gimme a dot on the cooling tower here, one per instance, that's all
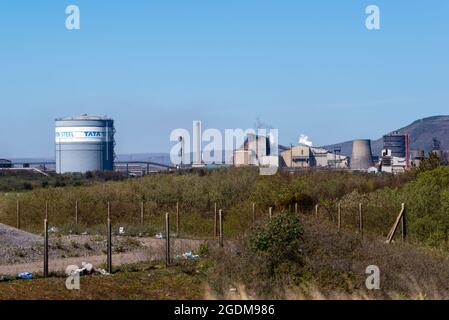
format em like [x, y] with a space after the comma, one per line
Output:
[362, 158]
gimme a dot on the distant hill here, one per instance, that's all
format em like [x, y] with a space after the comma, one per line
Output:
[421, 134]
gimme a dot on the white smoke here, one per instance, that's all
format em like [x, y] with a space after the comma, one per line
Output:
[303, 139]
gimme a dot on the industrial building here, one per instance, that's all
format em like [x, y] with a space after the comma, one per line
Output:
[416, 156]
[302, 156]
[84, 143]
[5, 164]
[395, 154]
[297, 157]
[255, 152]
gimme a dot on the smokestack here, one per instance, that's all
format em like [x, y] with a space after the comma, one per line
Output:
[197, 158]
[362, 157]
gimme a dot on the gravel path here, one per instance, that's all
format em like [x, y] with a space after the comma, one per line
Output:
[23, 252]
[152, 249]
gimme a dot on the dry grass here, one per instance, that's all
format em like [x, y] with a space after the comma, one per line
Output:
[136, 283]
[333, 267]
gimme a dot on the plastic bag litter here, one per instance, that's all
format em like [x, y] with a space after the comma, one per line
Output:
[160, 235]
[88, 267]
[25, 275]
[121, 230]
[70, 270]
[102, 271]
[53, 229]
[188, 255]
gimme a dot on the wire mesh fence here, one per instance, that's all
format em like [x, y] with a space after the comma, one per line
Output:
[138, 229]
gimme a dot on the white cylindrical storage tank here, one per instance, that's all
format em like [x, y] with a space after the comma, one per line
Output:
[362, 157]
[84, 143]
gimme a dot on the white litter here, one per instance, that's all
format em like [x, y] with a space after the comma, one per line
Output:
[53, 229]
[102, 271]
[187, 256]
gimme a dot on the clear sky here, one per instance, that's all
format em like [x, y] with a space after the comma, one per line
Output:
[304, 67]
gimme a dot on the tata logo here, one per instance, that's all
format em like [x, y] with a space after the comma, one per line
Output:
[92, 134]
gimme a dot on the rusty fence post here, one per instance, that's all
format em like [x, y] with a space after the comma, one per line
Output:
[167, 239]
[109, 258]
[220, 217]
[18, 214]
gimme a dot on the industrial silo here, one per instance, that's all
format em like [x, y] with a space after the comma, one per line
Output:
[362, 157]
[84, 143]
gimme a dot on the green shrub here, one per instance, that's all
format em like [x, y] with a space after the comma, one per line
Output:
[277, 237]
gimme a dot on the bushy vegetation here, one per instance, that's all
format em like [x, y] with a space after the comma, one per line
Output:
[315, 260]
[426, 195]
[427, 207]
[277, 240]
[18, 181]
[271, 255]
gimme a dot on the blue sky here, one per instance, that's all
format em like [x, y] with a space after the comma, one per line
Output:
[304, 67]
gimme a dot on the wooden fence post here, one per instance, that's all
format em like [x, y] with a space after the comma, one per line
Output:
[296, 207]
[270, 212]
[215, 221]
[404, 224]
[142, 213]
[167, 239]
[109, 258]
[339, 216]
[361, 219]
[254, 213]
[220, 217]
[76, 213]
[392, 232]
[18, 214]
[316, 210]
[177, 218]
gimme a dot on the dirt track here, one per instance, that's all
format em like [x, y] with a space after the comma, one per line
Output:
[150, 249]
